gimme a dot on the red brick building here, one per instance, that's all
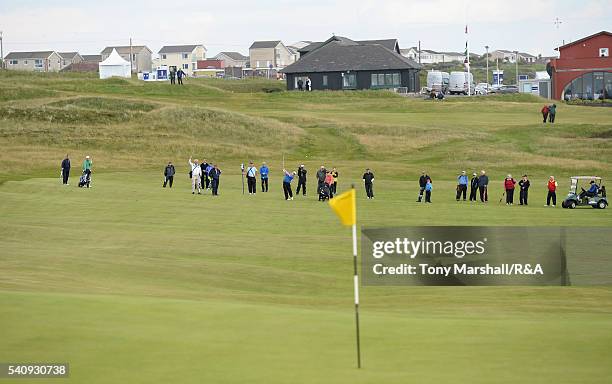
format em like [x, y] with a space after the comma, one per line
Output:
[583, 69]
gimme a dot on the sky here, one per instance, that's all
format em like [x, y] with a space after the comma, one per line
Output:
[89, 26]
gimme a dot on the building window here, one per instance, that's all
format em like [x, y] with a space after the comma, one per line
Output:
[349, 80]
[386, 80]
[163, 57]
[13, 62]
[325, 80]
[25, 62]
[185, 66]
[590, 86]
[133, 57]
[185, 55]
[38, 63]
[604, 52]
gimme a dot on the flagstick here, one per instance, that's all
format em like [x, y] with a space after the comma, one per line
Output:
[356, 284]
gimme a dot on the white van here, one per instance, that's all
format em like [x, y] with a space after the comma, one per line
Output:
[458, 82]
[437, 81]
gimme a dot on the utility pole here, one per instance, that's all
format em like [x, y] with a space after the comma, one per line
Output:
[487, 48]
[131, 61]
[516, 53]
[1, 52]
[419, 51]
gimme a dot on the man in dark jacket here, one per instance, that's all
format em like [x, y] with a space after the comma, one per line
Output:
[205, 179]
[169, 174]
[65, 170]
[215, 174]
[422, 183]
[368, 180]
[321, 174]
[483, 185]
[301, 174]
[179, 76]
[473, 186]
[552, 112]
[524, 191]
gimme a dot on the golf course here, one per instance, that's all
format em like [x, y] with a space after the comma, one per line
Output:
[129, 282]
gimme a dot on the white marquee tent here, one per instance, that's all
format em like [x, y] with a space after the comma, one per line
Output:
[115, 65]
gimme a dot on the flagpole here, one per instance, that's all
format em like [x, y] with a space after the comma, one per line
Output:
[356, 284]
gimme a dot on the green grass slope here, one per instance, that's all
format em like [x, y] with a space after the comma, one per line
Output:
[129, 282]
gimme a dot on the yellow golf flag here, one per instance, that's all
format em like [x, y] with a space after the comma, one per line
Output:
[345, 207]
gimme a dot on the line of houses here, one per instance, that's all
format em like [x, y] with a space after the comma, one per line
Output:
[266, 58]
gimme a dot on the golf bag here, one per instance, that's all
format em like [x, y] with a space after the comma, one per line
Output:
[324, 192]
[85, 179]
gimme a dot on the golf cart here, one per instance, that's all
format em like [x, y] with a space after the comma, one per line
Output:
[577, 199]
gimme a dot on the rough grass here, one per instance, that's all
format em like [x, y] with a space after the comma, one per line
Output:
[147, 123]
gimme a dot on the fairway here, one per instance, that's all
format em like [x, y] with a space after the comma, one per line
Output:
[130, 282]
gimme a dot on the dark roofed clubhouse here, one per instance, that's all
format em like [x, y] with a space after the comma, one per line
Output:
[340, 63]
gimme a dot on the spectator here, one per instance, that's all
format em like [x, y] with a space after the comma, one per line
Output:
[428, 188]
[509, 184]
[251, 175]
[473, 186]
[368, 179]
[544, 113]
[552, 112]
[334, 186]
[524, 191]
[422, 183]
[215, 174]
[169, 172]
[65, 170]
[552, 192]
[263, 174]
[321, 174]
[196, 176]
[483, 186]
[301, 174]
[462, 183]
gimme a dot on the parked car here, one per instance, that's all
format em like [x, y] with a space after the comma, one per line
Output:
[458, 82]
[506, 89]
[482, 89]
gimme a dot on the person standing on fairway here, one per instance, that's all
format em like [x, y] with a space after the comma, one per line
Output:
[65, 170]
[179, 76]
[544, 113]
[552, 112]
[368, 180]
[301, 174]
[263, 173]
[321, 174]
[329, 182]
[169, 174]
[552, 192]
[428, 188]
[251, 175]
[215, 174]
[483, 185]
[509, 184]
[196, 176]
[462, 183]
[287, 179]
[422, 183]
[205, 181]
[524, 191]
[87, 169]
[334, 173]
[473, 186]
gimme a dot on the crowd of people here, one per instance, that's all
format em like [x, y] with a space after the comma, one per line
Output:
[206, 176]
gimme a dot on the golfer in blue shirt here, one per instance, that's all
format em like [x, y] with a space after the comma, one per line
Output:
[287, 184]
[263, 173]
